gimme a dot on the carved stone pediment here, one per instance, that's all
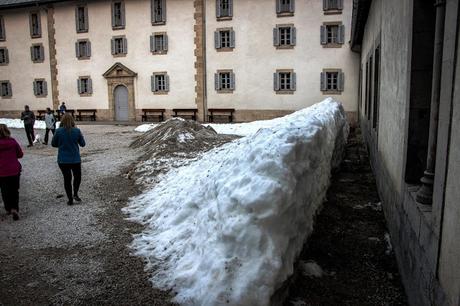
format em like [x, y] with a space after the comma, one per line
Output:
[118, 70]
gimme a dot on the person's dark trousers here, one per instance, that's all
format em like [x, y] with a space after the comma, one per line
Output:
[10, 191]
[30, 133]
[46, 134]
[67, 171]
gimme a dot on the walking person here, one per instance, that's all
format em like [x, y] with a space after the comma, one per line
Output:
[50, 123]
[68, 139]
[28, 117]
[10, 171]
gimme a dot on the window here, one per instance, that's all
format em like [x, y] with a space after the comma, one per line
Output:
[5, 89]
[376, 88]
[284, 36]
[224, 9]
[370, 89]
[83, 49]
[332, 81]
[4, 59]
[37, 53]
[158, 12]
[119, 46]
[118, 15]
[224, 39]
[84, 86]
[159, 43]
[333, 6]
[285, 7]
[332, 34]
[284, 81]
[81, 19]
[35, 25]
[2, 29]
[160, 83]
[40, 88]
[224, 81]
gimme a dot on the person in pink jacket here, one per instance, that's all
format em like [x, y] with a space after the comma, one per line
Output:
[10, 171]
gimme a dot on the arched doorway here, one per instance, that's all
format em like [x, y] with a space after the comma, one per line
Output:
[120, 96]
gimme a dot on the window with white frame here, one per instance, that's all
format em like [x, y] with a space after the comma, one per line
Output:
[224, 39]
[81, 18]
[118, 15]
[159, 43]
[284, 81]
[160, 83]
[332, 34]
[224, 81]
[83, 49]
[285, 7]
[5, 89]
[4, 59]
[40, 88]
[284, 36]
[119, 46]
[224, 9]
[158, 8]
[332, 6]
[332, 81]
[84, 86]
[2, 29]
[37, 53]
[35, 25]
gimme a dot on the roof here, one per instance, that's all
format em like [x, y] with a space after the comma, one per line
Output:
[358, 22]
[24, 3]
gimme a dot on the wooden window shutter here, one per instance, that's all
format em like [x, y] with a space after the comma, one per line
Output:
[152, 43]
[45, 88]
[86, 24]
[230, 8]
[77, 50]
[276, 41]
[325, 5]
[278, 6]
[216, 81]
[112, 43]
[123, 15]
[166, 82]
[276, 81]
[32, 54]
[323, 81]
[125, 45]
[88, 48]
[42, 53]
[293, 36]
[10, 91]
[163, 10]
[292, 6]
[152, 82]
[323, 35]
[2, 29]
[90, 86]
[218, 8]
[341, 34]
[113, 15]
[77, 21]
[293, 81]
[232, 39]
[79, 86]
[340, 4]
[232, 81]
[7, 57]
[340, 81]
[35, 87]
[165, 42]
[217, 39]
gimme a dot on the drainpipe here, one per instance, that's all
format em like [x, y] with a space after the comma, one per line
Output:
[425, 193]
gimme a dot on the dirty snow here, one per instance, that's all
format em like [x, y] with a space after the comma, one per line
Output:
[19, 124]
[228, 227]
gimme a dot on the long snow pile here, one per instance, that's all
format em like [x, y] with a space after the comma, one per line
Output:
[19, 124]
[227, 228]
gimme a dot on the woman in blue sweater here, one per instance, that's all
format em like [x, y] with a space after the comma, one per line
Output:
[68, 138]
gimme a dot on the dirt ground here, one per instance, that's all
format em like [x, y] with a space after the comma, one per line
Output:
[349, 243]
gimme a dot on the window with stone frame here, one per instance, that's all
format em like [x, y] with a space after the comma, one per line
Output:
[284, 81]
[35, 25]
[284, 36]
[37, 53]
[4, 58]
[81, 19]
[84, 86]
[83, 49]
[160, 83]
[118, 15]
[40, 88]
[224, 81]
[159, 43]
[119, 46]
[332, 6]
[5, 89]
[224, 39]
[285, 7]
[2, 29]
[158, 12]
[332, 34]
[224, 9]
[332, 81]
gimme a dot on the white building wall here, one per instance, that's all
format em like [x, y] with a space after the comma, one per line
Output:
[255, 59]
[21, 71]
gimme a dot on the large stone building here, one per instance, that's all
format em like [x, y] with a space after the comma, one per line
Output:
[264, 58]
[409, 112]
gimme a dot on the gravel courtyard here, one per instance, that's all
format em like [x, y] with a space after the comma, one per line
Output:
[60, 254]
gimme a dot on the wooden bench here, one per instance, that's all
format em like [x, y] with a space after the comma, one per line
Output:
[86, 113]
[186, 113]
[153, 113]
[69, 111]
[41, 114]
[224, 113]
